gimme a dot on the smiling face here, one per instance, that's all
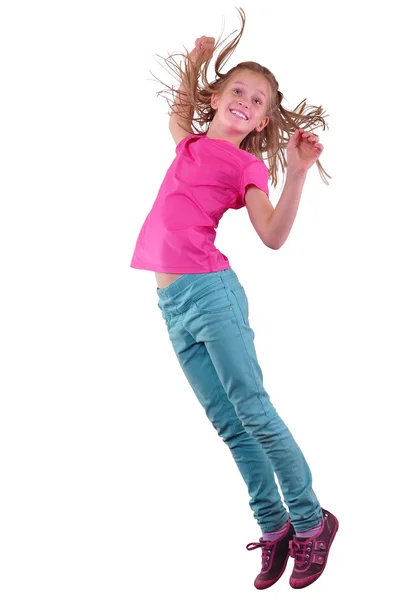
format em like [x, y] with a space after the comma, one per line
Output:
[242, 105]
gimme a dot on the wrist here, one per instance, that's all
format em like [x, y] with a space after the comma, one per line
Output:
[296, 176]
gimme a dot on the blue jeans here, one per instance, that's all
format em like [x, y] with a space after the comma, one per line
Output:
[206, 315]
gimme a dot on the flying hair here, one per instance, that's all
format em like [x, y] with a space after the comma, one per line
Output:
[194, 103]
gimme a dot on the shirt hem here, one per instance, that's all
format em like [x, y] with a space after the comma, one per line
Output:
[176, 270]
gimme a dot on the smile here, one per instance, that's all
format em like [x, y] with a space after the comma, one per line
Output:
[239, 114]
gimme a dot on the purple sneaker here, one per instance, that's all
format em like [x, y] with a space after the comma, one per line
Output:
[274, 558]
[311, 553]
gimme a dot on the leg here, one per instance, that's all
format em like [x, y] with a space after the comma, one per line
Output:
[219, 319]
[250, 458]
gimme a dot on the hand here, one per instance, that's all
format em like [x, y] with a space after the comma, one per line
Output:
[303, 150]
[203, 50]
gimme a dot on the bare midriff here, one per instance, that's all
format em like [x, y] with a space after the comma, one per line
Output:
[164, 279]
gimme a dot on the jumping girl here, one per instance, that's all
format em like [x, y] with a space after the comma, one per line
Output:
[219, 165]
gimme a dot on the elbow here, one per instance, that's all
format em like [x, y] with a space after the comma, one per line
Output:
[275, 239]
[275, 246]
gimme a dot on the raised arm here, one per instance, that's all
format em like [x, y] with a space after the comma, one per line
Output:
[182, 114]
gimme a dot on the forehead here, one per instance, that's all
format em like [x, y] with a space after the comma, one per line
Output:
[255, 82]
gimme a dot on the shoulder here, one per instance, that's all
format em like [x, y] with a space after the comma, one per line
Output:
[255, 165]
[185, 139]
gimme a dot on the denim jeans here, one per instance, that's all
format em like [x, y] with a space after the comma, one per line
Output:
[206, 315]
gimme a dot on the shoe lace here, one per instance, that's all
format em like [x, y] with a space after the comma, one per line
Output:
[267, 548]
[301, 551]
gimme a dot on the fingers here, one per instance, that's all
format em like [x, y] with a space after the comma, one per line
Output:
[203, 49]
[312, 138]
[204, 42]
[308, 136]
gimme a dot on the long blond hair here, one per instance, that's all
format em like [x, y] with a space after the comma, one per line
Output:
[268, 144]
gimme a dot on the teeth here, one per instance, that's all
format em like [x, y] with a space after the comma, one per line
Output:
[234, 112]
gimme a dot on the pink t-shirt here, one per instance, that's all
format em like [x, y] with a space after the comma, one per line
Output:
[206, 178]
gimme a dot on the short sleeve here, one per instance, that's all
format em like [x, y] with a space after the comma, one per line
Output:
[256, 173]
[182, 143]
[184, 140]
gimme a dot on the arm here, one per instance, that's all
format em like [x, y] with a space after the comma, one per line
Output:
[181, 117]
[273, 225]
[281, 220]
[182, 114]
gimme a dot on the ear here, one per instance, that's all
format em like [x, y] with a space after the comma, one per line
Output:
[214, 100]
[262, 124]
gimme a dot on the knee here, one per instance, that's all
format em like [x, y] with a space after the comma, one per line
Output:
[231, 432]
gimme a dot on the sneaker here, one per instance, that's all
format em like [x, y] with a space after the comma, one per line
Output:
[311, 553]
[274, 558]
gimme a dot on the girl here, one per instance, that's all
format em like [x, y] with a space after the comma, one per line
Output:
[203, 303]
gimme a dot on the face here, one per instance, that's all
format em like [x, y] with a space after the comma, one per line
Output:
[243, 104]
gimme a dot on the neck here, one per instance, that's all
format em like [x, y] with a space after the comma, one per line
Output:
[215, 132]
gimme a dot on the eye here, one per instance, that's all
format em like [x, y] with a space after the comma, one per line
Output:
[238, 90]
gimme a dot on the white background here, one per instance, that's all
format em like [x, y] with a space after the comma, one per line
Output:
[114, 483]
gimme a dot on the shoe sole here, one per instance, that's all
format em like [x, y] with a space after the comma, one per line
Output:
[298, 584]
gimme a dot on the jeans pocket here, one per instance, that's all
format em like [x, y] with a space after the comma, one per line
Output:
[242, 302]
[213, 300]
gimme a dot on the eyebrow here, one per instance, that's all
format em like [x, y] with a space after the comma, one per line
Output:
[241, 83]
